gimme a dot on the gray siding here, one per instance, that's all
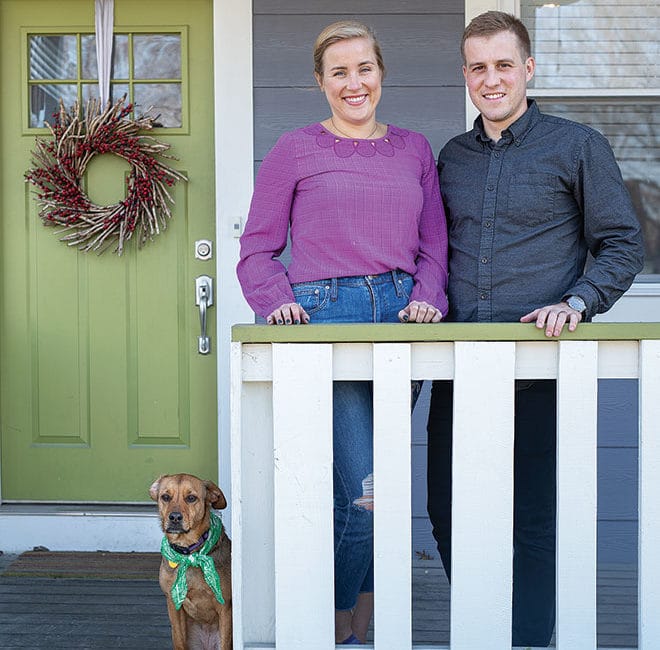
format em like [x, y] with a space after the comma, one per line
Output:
[423, 91]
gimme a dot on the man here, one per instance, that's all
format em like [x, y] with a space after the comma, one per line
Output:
[527, 196]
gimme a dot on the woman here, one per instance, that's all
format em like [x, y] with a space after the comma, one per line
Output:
[368, 244]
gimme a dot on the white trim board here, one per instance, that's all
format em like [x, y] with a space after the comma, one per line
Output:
[234, 169]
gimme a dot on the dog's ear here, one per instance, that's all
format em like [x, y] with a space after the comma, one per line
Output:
[153, 490]
[215, 496]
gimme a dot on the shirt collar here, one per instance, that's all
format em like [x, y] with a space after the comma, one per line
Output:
[516, 131]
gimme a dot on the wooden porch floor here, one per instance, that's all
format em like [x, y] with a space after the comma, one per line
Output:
[93, 614]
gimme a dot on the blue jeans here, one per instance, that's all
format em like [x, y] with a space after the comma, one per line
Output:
[355, 299]
[534, 519]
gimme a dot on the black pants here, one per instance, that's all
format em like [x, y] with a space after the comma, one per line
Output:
[534, 501]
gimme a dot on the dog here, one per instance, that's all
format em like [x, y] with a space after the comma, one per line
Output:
[185, 502]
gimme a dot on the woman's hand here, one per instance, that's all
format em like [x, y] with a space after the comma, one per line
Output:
[289, 314]
[420, 312]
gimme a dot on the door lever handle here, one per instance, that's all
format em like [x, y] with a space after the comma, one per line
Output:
[203, 299]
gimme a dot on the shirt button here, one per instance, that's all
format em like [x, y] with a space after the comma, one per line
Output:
[484, 260]
[483, 296]
[490, 188]
[488, 224]
[497, 155]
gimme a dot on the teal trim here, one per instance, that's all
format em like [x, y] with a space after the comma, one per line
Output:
[395, 332]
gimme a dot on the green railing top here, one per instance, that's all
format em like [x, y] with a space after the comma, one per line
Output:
[414, 332]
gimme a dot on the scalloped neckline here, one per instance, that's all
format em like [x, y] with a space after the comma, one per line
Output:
[393, 139]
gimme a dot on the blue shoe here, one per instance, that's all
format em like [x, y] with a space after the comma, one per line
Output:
[352, 640]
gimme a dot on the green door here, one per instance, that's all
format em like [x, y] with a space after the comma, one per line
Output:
[103, 387]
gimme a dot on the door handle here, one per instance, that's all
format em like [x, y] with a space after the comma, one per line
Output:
[203, 299]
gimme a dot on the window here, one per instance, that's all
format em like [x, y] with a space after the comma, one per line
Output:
[147, 68]
[597, 63]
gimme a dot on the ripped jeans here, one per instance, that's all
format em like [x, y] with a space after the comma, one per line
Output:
[355, 299]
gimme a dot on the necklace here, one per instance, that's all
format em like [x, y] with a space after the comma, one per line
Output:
[350, 137]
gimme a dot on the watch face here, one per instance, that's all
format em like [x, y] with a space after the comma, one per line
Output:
[575, 302]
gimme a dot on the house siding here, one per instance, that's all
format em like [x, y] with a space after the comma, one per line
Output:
[423, 91]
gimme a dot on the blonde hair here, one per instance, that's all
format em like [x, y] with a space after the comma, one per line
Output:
[341, 31]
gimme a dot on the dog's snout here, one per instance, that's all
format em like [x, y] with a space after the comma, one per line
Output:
[175, 517]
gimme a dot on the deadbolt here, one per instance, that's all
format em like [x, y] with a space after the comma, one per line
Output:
[203, 249]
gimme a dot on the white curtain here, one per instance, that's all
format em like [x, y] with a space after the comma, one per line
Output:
[104, 10]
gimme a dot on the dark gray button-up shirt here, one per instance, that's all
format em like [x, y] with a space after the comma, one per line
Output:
[522, 214]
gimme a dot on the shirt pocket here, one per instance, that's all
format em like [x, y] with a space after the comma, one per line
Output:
[531, 198]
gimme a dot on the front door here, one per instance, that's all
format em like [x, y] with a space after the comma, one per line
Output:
[103, 386]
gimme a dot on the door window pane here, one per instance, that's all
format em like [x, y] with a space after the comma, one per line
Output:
[163, 100]
[157, 56]
[117, 91]
[45, 101]
[633, 129]
[53, 57]
[119, 56]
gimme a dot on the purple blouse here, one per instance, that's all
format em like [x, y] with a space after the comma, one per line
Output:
[354, 207]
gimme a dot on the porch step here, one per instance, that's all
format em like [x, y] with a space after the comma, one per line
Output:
[63, 527]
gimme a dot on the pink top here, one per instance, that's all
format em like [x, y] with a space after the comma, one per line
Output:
[354, 207]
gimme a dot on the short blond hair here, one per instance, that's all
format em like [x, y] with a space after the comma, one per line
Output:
[341, 31]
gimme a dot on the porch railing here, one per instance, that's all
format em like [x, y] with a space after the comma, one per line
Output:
[282, 474]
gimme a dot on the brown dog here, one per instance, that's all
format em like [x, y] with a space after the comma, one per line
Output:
[184, 505]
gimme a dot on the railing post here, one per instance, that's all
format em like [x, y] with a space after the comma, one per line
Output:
[236, 401]
[392, 498]
[482, 496]
[252, 503]
[304, 548]
[649, 496]
[577, 418]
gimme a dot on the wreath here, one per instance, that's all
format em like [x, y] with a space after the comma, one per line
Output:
[59, 165]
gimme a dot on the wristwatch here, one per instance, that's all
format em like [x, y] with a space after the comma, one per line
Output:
[575, 302]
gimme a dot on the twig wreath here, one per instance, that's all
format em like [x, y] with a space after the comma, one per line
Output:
[59, 165]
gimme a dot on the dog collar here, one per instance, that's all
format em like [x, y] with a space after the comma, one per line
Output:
[200, 559]
[187, 550]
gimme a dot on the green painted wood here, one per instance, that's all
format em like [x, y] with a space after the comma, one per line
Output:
[102, 388]
[395, 332]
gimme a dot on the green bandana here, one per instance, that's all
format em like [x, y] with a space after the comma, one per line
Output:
[199, 559]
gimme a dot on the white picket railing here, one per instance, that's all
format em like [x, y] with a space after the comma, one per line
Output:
[282, 474]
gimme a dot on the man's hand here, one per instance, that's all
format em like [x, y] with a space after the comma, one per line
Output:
[420, 312]
[289, 314]
[553, 318]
